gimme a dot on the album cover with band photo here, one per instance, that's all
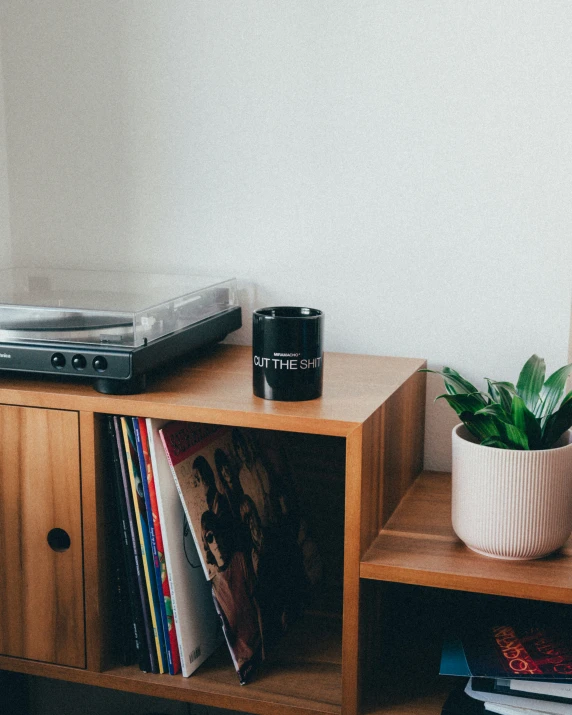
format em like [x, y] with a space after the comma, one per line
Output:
[240, 501]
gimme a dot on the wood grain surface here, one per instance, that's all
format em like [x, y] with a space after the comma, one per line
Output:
[303, 677]
[418, 546]
[41, 590]
[217, 388]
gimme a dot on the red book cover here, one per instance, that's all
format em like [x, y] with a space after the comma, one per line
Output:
[174, 647]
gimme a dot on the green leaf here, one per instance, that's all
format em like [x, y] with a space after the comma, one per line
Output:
[495, 410]
[552, 391]
[515, 437]
[463, 403]
[517, 431]
[502, 392]
[455, 380]
[531, 380]
[455, 384]
[517, 412]
[527, 423]
[482, 426]
[512, 426]
[557, 423]
[503, 383]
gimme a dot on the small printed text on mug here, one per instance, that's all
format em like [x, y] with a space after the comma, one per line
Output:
[279, 363]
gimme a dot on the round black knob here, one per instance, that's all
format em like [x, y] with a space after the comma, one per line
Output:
[59, 540]
[99, 363]
[78, 362]
[58, 361]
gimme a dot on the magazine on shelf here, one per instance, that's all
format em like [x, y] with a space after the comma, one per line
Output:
[241, 505]
[514, 651]
[539, 689]
[514, 665]
[197, 624]
[534, 704]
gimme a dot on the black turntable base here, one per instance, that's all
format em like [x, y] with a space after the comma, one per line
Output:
[111, 369]
[109, 328]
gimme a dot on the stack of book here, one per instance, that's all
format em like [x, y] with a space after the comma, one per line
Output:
[512, 669]
[214, 545]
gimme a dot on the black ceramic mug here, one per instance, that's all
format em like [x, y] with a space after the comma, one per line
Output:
[287, 353]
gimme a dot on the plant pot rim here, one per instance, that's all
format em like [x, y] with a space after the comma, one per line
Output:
[471, 439]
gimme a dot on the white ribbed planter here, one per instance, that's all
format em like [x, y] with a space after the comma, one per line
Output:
[511, 504]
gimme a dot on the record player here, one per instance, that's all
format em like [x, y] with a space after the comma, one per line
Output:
[108, 327]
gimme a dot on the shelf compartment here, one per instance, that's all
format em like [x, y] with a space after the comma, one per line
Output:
[304, 672]
[303, 677]
[418, 546]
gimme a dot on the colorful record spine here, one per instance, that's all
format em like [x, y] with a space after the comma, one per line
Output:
[150, 662]
[143, 532]
[157, 546]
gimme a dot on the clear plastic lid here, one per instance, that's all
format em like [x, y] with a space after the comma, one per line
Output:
[110, 307]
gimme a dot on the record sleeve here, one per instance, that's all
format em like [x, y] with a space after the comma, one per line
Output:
[241, 505]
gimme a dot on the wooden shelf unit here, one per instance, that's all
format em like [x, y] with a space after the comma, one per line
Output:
[393, 565]
[360, 444]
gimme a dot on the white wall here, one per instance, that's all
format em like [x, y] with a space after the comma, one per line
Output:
[405, 166]
[5, 234]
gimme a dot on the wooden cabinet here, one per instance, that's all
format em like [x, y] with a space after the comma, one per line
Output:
[392, 565]
[394, 570]
[41, 572]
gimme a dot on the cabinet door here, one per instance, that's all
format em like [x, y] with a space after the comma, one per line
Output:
[41, 579]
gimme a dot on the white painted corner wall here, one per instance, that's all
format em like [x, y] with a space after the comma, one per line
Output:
[404, 166]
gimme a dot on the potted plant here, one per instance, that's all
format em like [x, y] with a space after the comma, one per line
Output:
[512, 462]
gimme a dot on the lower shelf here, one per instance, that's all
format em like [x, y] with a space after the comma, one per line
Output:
[291, 692]
[303, 677]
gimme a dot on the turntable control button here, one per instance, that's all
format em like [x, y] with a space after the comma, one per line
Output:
[58, 361]
[99, 363]
[78, 362]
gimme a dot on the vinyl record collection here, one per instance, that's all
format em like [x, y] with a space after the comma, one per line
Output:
[213, 545]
